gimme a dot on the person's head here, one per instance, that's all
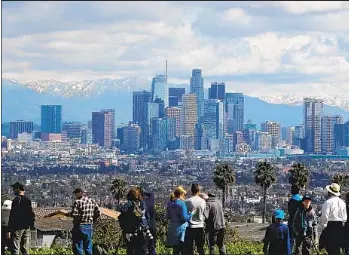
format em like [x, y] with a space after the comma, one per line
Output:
[333, 190]
[306, 201]
[17, 188]
[134, 194]
[295, 189]
[180, 193]
[79, 193]
[195, 189]
[279, 215]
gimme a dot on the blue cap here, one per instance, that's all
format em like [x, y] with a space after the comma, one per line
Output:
[279, 214]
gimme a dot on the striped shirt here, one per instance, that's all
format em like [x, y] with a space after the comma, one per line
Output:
[85, 211]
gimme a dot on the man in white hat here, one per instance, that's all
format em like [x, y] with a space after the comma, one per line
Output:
[334, 215]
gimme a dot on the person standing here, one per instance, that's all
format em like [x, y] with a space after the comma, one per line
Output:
[134, 223]
[304, 227]
[333, 218]
[277, 237]
[346, 228]
[215, 224]
[178, 216]
[149, 201]
[196, 229]
[85, 212]
[21, 220]
[5, 215]
[293, 205]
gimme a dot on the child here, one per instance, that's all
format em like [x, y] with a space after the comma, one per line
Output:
[277, 237]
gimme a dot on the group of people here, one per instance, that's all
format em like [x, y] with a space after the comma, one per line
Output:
[196, 220]
[301, 231]
[191, 221]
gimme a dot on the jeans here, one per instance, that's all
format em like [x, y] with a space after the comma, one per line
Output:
[196, 235]
[303, 245]
[21, 241]
[216, 237]
[82, 239]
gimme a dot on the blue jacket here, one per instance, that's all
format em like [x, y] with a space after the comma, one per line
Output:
[277, 240]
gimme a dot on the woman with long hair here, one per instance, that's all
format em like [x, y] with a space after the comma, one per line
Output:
[178, 216]
[134, 224]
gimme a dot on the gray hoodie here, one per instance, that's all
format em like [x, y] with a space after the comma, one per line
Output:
[196, 205]
[214, 214]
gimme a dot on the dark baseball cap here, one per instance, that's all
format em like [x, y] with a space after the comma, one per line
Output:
[306, 197]
[17, 185]
[78, 190]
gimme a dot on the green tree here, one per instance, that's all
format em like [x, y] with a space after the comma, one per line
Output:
[119, 189]
[299, 175]
[265, 176]
[341, 179]
[223, 176]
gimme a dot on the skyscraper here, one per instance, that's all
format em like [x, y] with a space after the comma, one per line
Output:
[102, 128]
[73, 129]
[20, 126]
[327, 133]
[197, 88]
[131, 138]
[341, 135]
[160, 88]
[298, 136]
[200, 141]
[51, 119]
[264, 142]
[234, 107]
[112, 112]
[159, 134]
[175, 112]
[287, 134]
[312, 124]
[217, 91]
[140, 113]
[153, 110]
[188, 115]
[214, 119]
[274, 129]
[171, 129]
[175, 96]
[250, 132]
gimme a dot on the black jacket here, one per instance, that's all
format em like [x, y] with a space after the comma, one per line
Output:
[21, 215]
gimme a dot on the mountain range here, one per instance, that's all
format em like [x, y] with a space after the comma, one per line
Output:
[80, 98]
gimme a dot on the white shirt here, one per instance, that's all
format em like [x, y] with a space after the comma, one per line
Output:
[333, 209]
[197, 205]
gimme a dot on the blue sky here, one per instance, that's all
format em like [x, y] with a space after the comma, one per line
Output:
[255, 47]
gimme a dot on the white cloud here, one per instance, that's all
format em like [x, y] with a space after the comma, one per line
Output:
[311, 6]
[119, 39]
[237, 15]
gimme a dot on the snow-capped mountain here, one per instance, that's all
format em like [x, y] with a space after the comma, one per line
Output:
[89, 88]
[340, 100]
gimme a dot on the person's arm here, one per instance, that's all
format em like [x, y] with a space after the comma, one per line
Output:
[207, 211]
[266, 241]
[10, 220]
[288, 242]
[31, 213]
[325, 212]
[185, 215]
[315, 227]
[96, 212]
[75, 210]
[168, 216]
[293, 228]
[344, 212]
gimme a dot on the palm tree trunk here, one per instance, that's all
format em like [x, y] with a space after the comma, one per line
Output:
[223, 200]
[264, 203]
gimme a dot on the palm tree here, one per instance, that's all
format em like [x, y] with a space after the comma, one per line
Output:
[299, 175]
[119, 189]
[223, 176]
[341, 179]
[265, 176]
